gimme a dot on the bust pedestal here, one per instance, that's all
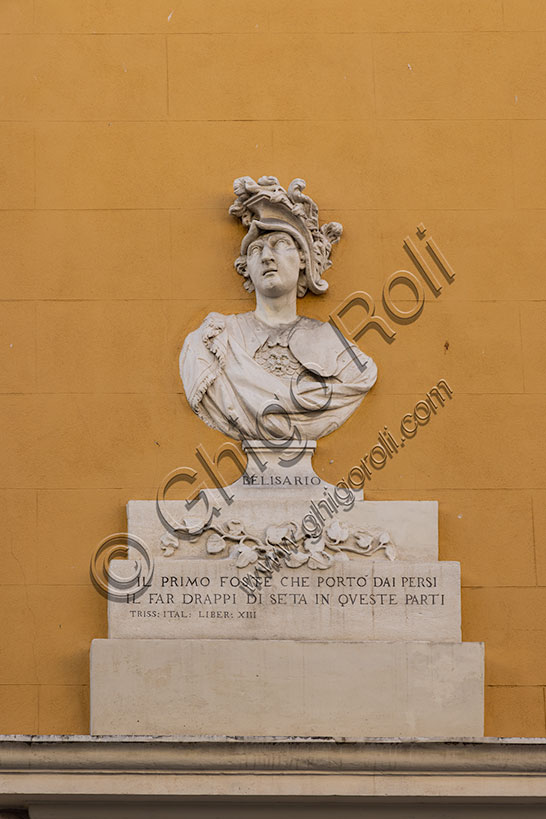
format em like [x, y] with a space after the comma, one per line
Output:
[359, 635]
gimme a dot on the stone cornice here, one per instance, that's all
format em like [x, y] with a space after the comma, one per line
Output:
[68, 768]
[84, 754]
[89, 755]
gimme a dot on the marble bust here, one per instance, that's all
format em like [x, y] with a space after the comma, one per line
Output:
[265, 373]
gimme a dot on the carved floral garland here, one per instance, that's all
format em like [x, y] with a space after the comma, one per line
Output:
[301, 548]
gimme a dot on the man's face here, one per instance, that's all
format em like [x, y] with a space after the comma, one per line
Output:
[273, 264]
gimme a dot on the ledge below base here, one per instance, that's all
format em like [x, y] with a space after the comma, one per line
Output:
[85, 777]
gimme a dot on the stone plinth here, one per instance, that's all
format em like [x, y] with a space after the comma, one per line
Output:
[286, 688]
[255, 624]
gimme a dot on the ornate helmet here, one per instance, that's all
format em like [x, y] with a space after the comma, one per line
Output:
[265, 205]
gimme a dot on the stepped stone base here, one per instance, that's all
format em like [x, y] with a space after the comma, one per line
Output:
[286, 688]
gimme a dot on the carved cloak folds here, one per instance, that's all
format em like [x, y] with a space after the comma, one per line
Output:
[317, 385]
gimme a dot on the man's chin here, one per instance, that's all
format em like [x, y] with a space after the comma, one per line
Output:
[271, 283]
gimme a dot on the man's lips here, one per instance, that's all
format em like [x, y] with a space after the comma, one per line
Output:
[269, 270]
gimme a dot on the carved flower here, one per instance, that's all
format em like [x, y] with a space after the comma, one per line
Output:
[319, 560]
[235, 528]
[296, 559]
[246, 555]
[314, 544]
[337, 532]
[367, 544]
[193, 525]
[276, 534]
[168, 544]
[364, 541]
[384, 542]
[215, 543]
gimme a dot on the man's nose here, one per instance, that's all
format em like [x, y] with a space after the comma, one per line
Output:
[267, 252]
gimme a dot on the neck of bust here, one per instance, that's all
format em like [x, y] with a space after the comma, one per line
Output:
[276, 311]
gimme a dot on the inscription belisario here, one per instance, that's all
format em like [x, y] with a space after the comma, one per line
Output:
[281, 480]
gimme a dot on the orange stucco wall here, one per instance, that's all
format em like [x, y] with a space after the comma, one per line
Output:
[123, 124]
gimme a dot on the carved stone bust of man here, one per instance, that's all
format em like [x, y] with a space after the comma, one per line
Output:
[268, 372]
